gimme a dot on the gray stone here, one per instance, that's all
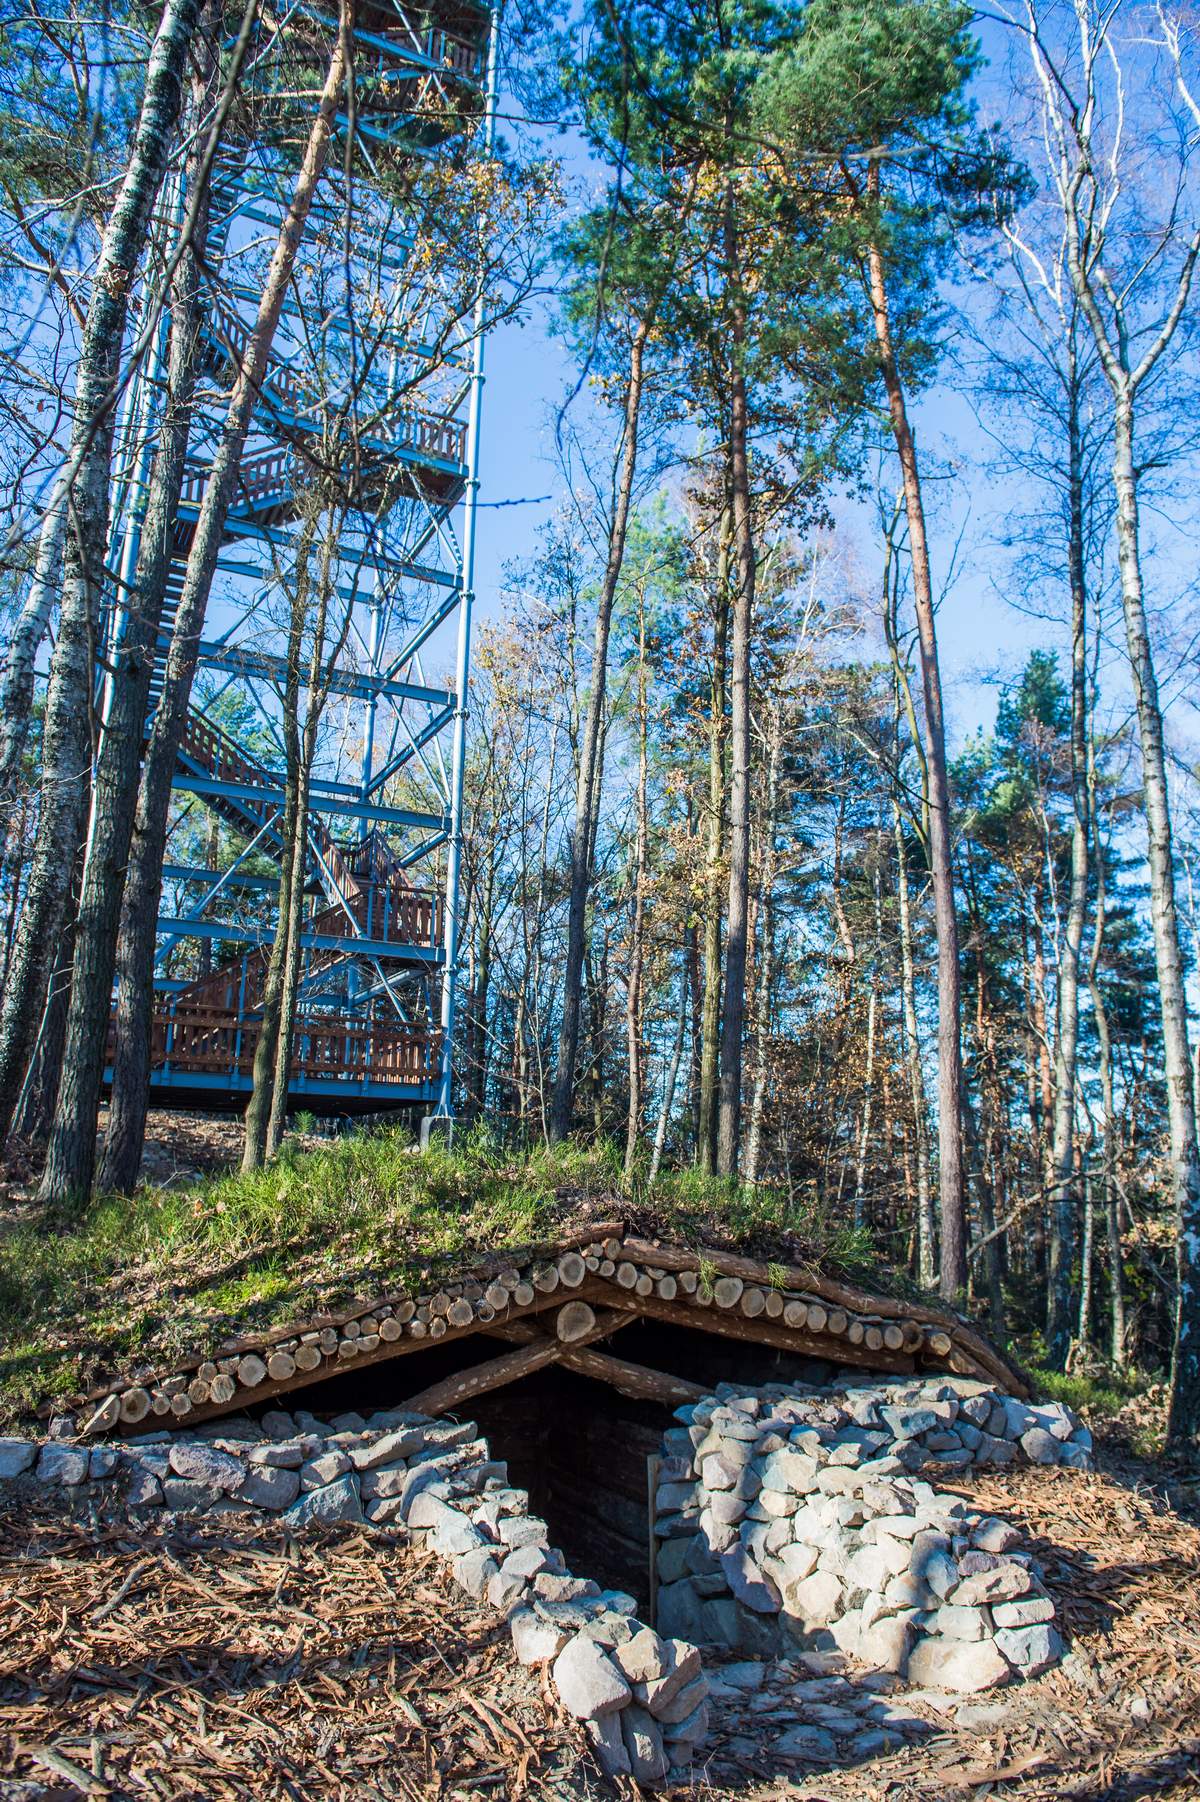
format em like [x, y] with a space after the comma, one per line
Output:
[995, 1535]
[348, 1423]
[553, 1587]
[815, 1600]
[949, 1664]
[143, 1489]
[1057, 1418]
[720, 1472]
[474, 1570]
[390, 1481]
[102, 1462]
[526, 1562]
[588, 1681]
[777, 1504]
[680, 1667]
[288, 1454]
[336, 1502]
[326, 1467]
[183, 1496]
[875, 1741]
[270, 1486]
[644, 1745]
[16, 1455]
[909, 1423]
[451, 1532]
[1030, 1611]
[727, 1507]
[1040, 1446]
[953, 1621]
[1002, 1583]
[787, 1470]
[606, 1736]
[689, 1732]
[644, 1658]
[503, 1591]
[198, 1463]
[382, 1510]
[720, 1623]
[672, 1560]
[527, 1529]
[1031, 1649]
[1018, 1417]
[885, 1643]
[66, 1464]
[676, 1526]
[402, 1444]
[811, 1743]
[536, 1641]
[752, 1587]
[675, 1708]
[873, 1566]
[277, 1424]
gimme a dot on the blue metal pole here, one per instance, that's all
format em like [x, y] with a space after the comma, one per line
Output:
[445, 1107]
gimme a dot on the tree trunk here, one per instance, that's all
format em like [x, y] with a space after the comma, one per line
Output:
[1062, 1156]
[953, 1276]
[28, 634]
[1085, 1264]
[591, 753]
[1183, 1429]
[733, 999]
[672, 1076]
[765, 955]
[34, 1112]
[710, 1044]
[67, 729]
[633, 992]
[926, 1221]
[71, 1155]
[135, 955]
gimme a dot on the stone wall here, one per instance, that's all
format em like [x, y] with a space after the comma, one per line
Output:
[641, 1698]
[790, 1518]
[786, 1517]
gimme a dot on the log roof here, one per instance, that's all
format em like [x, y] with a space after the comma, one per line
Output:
[552, 1304]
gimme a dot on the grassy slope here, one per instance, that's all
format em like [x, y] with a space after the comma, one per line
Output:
[175, 1271]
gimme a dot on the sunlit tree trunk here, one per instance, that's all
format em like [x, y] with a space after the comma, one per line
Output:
[710, 1047]
[67, 745]
[1063, 1200]
[737, 923]
[591, 750]
[953, 1274]
[637, 954]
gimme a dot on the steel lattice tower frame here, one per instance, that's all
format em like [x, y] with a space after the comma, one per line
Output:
[380, 948]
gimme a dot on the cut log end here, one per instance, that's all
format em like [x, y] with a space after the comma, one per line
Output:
[573, 1322]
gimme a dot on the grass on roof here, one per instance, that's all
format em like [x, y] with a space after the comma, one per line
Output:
[143, 1281]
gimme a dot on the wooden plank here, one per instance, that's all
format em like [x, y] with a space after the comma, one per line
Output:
[439, 1398]
[637, 1381]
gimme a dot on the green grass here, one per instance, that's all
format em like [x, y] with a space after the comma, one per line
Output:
[168, 1272]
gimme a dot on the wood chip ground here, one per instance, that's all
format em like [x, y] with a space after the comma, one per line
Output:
[231, 1661]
